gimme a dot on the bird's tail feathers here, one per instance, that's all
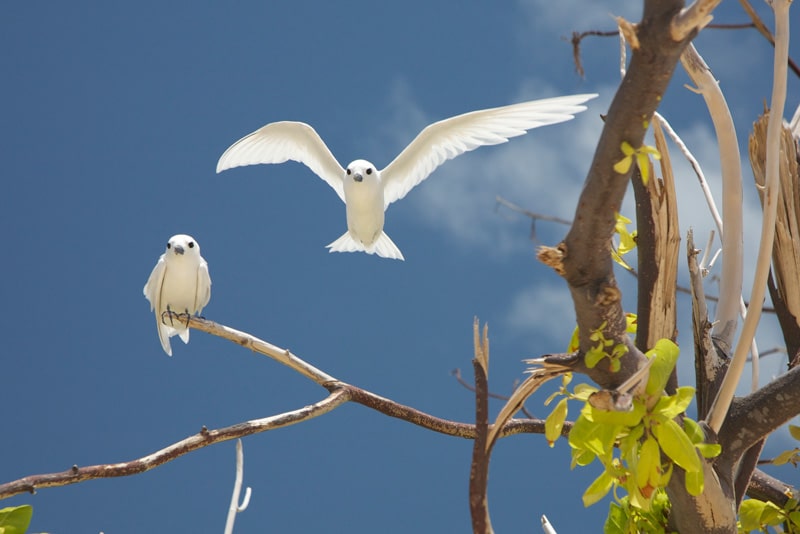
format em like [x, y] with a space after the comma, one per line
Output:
[163, 337]
[383, 246]
[184, 335]
[346, 243]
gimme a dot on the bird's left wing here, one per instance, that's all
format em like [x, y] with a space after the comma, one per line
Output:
[451, 137]
[278, 142]
[203, 290]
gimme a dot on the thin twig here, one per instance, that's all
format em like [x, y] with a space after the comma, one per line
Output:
[759, 25]
[235, 507]
[457, 374]
[550, 218]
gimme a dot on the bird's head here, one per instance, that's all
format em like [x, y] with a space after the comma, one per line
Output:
[182, 244]
[360, 169]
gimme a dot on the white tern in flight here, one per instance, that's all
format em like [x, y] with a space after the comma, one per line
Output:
[365, 190]
[179, 283]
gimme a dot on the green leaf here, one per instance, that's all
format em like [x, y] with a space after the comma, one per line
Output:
[794, 517]
[643, 162]
[617, 520]
[582, 391]
[696, 435]
[555, 422]
[791, 456]
[627, 149]
[574, 341]
[666, 353]
[623, 165]
[589, 436]
[673, 405]
[772, 515]
[581, 457]
[693, 430]
[677, 445]
[709, 450]
[694, 482]
[15, 520]
[594, 355]
[631, 323]
[750, 514]
[598, 489]
[795, 431]
[648, 470]
[629, 419]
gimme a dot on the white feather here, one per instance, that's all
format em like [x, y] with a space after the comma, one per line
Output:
[282, 141]
[451, 137]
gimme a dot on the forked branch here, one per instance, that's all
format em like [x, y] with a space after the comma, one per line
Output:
[339, 393]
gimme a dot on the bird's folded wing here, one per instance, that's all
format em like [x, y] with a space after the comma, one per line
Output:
[203, 290]
[451, 137]
[152, 289]
[282, 141]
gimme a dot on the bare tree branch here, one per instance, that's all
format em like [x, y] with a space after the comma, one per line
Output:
[732, 223]
[784, 289]
[479, 470]
[457, 374]
[204, 438]
[693, 18]
[759, 25]
[584, 254]
[709, 367]
[768, 488]
[339, 393]
[658, 242]
[535, 216]
[772, 191]
[757, 415]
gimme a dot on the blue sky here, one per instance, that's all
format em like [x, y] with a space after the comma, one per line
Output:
[113, 118]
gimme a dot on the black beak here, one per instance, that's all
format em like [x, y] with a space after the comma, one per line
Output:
[357, 177]
[178, 249]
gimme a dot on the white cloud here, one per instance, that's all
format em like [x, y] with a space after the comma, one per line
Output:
[543, 308]
[577, 15]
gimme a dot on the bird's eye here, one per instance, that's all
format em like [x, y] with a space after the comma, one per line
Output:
[348, 172]
[169, 245]
[369, 171]
[191, 244]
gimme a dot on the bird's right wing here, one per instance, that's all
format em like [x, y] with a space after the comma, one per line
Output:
[278, 142]
[452, 137]
[152, 290]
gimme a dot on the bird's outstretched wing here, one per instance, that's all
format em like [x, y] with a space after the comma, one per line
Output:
[451, 137]
[278, 142]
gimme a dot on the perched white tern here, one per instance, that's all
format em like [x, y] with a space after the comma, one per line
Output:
[179, 283]
[365, 190]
